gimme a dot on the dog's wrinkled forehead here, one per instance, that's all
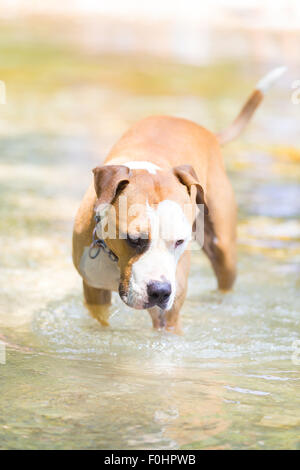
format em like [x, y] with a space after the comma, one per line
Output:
[151, 197]
[155, 187]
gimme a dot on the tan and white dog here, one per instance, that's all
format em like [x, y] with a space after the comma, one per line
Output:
[158, 168]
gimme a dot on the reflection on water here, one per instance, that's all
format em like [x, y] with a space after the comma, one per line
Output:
[229, 382]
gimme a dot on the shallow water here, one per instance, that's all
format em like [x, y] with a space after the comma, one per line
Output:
[231, 381]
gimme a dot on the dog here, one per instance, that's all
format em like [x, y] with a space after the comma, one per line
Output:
[158, 168]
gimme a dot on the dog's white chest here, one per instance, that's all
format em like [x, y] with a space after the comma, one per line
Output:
[101, 272]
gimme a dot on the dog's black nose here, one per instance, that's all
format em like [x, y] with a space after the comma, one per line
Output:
[158, 293]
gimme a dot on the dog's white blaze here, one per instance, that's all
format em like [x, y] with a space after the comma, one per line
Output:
[172, 222]
[268, 80]
[168, 224]
[143, 165]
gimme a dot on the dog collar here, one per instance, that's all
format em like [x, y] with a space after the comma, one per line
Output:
[98, 244]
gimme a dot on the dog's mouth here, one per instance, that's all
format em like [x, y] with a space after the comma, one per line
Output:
[141, 302]
[153, 303]
[132, 301]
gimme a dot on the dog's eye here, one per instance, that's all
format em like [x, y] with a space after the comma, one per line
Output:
[139, 243]
[178, 242]
[134, 241]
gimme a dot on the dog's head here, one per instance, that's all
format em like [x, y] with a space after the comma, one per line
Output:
[146, 221]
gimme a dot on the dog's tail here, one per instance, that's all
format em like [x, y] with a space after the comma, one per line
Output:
[238, 125]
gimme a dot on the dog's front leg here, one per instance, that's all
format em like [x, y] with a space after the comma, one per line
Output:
[158, 317]
[97, 301]
[170, 319]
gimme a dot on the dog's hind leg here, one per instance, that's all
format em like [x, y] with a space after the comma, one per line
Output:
[223, 260]
[97, 301]
[220, 235]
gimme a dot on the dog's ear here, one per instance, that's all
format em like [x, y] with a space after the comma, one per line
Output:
[187, 176]
[108, 181]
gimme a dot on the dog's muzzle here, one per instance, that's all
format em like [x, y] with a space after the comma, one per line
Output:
[158, 294]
